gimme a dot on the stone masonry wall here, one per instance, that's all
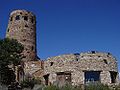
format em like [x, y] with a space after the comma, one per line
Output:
[22, 26]
[77, 64]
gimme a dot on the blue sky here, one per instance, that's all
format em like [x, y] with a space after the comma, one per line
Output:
[70, 26]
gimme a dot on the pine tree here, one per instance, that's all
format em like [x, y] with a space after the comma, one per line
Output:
[10, 55]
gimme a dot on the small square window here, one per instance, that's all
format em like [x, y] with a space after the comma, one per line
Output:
[17, 17]
[26, 18]
[93, 52]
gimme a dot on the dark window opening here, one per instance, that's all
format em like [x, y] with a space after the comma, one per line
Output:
[76, 54]
[46, 77]
[98, 56]
[113, 76]
[26, 18]
[32, 48]
[76, 59]
[26, 25]
[20, 12]
[93, 52]
[32, 20]
[51, 63]
[11, 18]
[24, 40]
[8, 30]
[105, 61]
[17, 17]
[92, 76]
[28, 52]
[109, 54]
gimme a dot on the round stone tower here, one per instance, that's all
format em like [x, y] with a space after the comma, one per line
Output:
[22, 26]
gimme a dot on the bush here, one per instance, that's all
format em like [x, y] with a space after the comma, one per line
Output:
[52, 87]
[96, 86]
[70, 87]
[29, 83]
[66, 87]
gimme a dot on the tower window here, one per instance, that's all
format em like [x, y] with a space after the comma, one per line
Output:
[11, 19]
[32, 48]
[17, 17]
[93, 52]
[32, 20]
[26, 18]
[24, 40]
[8, 30]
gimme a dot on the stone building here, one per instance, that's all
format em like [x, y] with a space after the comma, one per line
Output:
[78, 69]
[22, 26]
[75, 69]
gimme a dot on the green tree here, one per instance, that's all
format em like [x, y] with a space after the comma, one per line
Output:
[10, 55]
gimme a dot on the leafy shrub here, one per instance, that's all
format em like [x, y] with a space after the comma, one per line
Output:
[66, 87]
[70, 87]
[96, 86]
[30, 82]
[52, 87]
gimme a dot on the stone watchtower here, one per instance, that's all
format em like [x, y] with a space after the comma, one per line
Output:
[22, 26]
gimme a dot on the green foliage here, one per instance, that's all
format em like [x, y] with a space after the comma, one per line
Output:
[10, 55]
[70, 87]
[52, 87]
[97, 86]
[66, 87]
[30, 82]
[10, 51]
